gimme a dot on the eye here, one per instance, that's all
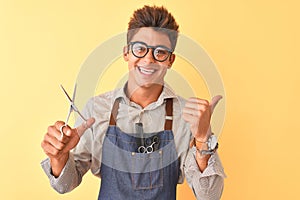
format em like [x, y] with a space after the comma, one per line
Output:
[139, 48]
[161, 52]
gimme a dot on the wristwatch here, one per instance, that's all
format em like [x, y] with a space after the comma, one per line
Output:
[207, 148]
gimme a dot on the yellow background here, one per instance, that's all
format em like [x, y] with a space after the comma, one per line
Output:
[255, 45]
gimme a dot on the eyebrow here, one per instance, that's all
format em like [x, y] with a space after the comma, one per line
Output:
[170, 49]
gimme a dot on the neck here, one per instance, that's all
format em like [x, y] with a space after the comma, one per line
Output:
[144, 95]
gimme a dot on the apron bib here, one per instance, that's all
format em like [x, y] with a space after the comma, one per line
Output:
[127, 174]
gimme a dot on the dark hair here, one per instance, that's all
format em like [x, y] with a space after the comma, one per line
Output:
[156, 17]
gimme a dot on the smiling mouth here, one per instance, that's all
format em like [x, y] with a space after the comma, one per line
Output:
[146, 71]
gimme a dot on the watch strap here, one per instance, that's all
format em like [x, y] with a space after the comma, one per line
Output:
[208, 147]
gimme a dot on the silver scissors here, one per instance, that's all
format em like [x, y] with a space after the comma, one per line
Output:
[72, 108]
[149, 148]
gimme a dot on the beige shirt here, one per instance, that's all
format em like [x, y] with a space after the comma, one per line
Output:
[88, 153]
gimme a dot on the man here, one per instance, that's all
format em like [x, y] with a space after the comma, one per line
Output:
[141, 139]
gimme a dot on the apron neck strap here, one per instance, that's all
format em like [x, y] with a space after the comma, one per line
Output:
[169, 114]
[168, 118]
[114, 112]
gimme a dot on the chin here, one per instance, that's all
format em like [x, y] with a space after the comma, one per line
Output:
[147, 85]
[150, 84]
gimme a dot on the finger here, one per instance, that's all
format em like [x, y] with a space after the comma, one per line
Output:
[59, 124]
[215, 100]
[49, 149]
[54, 142]
[197, 106]
[65, 128]
[197, 100]
[84, 126]
[54, 132]
[189, 118]
[190, 111]
[64, 131]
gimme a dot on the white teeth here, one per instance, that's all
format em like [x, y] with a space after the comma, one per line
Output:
[146, 71]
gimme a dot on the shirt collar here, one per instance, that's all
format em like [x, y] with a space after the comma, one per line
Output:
[167, 93]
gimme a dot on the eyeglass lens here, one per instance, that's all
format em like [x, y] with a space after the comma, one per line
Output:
[159, 53]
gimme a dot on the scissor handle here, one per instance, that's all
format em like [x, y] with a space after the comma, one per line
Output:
[142, 149]
[150, 148]
[61, 131]
[155, 139]
[151, 145]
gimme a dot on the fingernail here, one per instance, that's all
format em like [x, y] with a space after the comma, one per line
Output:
[68, 132]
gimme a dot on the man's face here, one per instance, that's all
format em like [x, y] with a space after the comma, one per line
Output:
[146, 71]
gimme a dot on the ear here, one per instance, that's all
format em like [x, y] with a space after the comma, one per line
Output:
[171, 60]
[125, 53]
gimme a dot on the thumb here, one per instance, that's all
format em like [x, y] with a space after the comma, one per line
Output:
[215, 100]
[84, 126]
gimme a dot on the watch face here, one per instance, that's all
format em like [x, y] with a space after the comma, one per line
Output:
[212, 143]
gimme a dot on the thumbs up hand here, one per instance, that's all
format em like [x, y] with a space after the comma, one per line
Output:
[57, 148]
[197, 112]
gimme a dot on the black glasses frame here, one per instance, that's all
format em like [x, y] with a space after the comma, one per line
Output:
[153, 50]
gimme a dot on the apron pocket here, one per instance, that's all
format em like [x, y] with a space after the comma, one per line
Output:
[147, 172]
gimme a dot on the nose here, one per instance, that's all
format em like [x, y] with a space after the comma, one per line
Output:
[149, 57]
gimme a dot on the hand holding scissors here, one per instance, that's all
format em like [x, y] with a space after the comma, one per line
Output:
[72, 108]
[61, 138]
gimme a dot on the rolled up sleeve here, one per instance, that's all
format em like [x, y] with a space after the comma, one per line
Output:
[68, 179]
[206, 185]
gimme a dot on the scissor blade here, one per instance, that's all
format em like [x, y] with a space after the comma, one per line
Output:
[69, 114]
[74, 92]
[76, 110]
[82, 117]
[66, 93]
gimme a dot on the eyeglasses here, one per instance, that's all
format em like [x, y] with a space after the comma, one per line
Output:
[159, 53]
